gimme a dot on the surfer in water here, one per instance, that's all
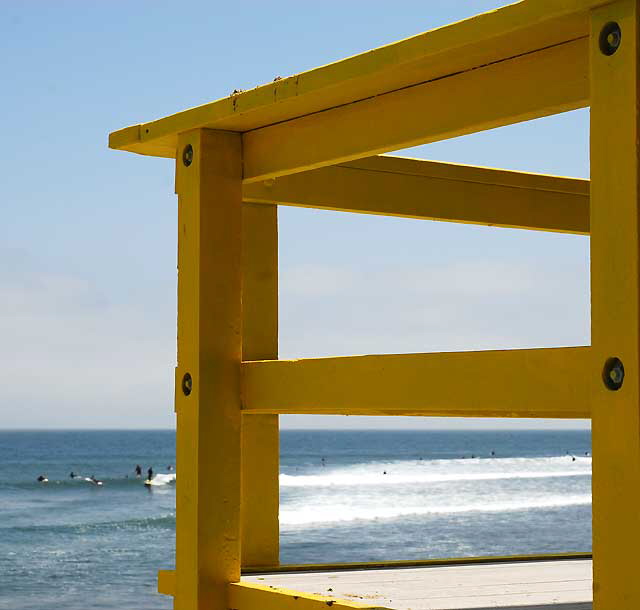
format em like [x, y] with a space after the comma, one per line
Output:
[150, 473]
[95, 481]
[73, 475]
[138, 471]
[42, 479]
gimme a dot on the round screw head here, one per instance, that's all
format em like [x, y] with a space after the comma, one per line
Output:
[187, 155]
[187, 384]
[610, 38]
[613, 374]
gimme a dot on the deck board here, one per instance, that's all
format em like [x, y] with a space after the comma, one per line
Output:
[535, 585]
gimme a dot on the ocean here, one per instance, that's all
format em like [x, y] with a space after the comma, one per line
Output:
[357, 495]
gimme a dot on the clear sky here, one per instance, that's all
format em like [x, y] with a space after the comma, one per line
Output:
[88, 235]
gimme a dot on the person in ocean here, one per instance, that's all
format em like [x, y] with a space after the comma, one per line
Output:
[73, 475]
[42, 479]
[95, 481]
[150, 473]
[170, 467]
[138, 470]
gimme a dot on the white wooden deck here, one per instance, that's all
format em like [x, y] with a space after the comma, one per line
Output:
[535, 585]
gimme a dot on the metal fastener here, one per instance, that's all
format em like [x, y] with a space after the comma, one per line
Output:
[610, 38]
[613, 374]
[187, 155]
[187, 384]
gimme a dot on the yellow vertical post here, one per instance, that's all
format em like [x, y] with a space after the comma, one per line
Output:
[260, 443]
[615, 297]
[208, 183]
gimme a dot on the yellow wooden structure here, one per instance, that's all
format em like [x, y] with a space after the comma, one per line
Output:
[312, 140]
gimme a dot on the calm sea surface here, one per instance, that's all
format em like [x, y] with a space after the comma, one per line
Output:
[375, 495]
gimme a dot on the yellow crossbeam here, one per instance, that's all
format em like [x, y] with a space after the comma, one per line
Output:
[413, 188]
[249, 596]
[514, 383]
[530, 86]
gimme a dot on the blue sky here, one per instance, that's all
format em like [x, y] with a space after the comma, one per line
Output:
[88, 240]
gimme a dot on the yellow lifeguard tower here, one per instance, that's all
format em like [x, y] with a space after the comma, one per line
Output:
[312, 140]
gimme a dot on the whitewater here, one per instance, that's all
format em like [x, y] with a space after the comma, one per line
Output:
[387, 490]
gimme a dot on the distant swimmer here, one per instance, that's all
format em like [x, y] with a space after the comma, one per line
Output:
[170, 467]
[493, 454]
[138, 470]
[42, 479]
[385, 472]
[92, 479]
[322, 460]
[73, 475]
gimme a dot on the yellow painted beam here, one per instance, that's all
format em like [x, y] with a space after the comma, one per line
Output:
[413, 188]
[413, 563]
[260, 433]
[615, 307]
[249, 596]
[513, 383]
[491, 37]
[208, 371]
[538, 84]
[167, 582]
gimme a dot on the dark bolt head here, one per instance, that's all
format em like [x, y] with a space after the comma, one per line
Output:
[187, 384]
[613, 374]
[187, 155]
[610, 38]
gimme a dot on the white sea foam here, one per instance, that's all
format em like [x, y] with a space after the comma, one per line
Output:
[442, 471]
[336, 513]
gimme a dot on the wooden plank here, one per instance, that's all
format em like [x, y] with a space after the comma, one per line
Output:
[250, 596]
[534, 85]
[209, 352]
[526, 585]
[491, 37]
[615, 309]
[260, 433]
[413, 188]
[513, 383]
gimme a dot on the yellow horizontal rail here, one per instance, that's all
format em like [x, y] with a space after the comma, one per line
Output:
[550, 382]
[534, 85]
[413, 188]
[510, 31]
[250, 596]
[411, 563]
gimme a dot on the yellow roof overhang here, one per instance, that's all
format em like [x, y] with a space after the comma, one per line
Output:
[488, 38]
